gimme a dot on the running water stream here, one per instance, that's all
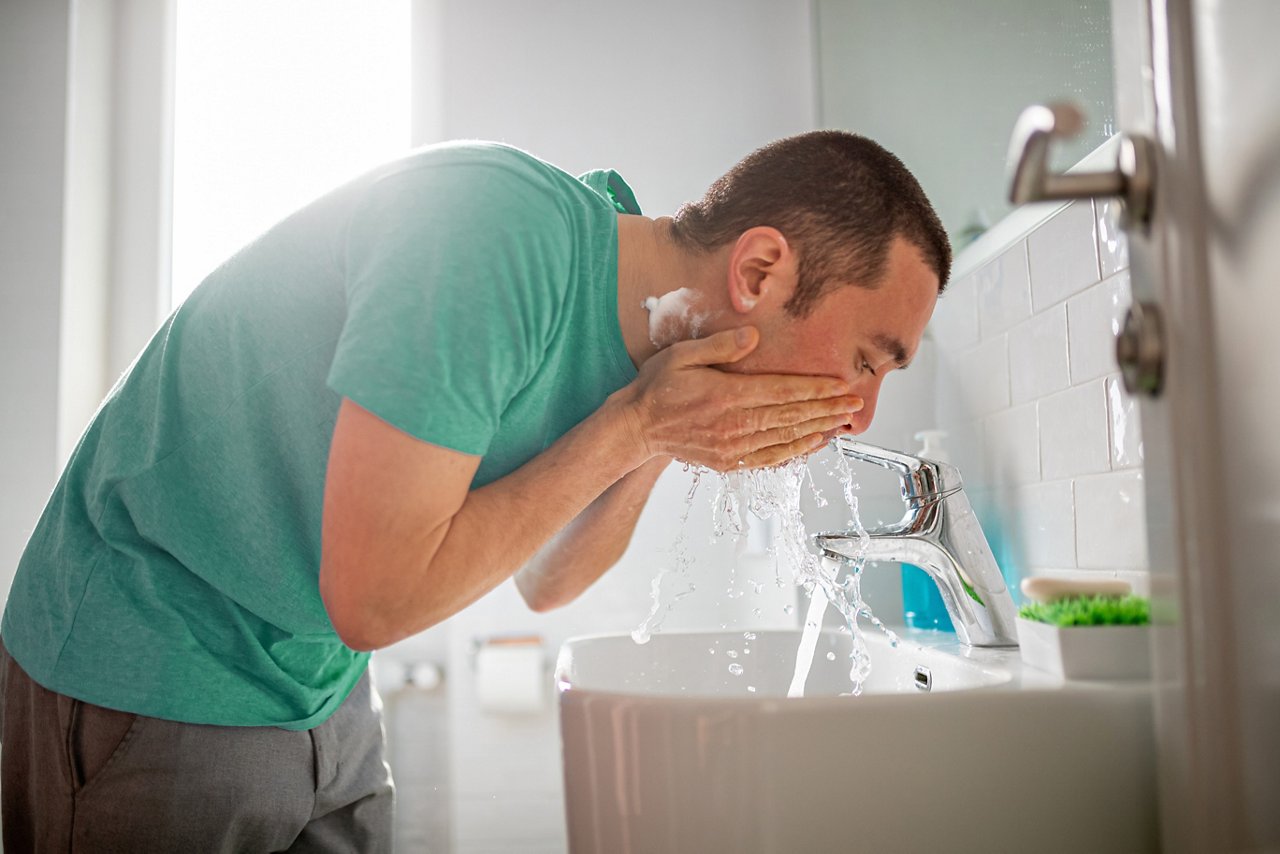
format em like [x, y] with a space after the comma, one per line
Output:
[774, 493]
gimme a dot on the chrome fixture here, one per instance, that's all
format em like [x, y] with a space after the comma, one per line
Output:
[939, 534]
[1030, 181]
[1140, 350]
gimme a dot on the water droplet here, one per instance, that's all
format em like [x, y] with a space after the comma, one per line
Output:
[732, 653]
[735, 669]
[831, 656]
[751, 688]
[787, 609]
[746, 651]
[756, 611]
[749, 635]
[640, 636]
[712, 650]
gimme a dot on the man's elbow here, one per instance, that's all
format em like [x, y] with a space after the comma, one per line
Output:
[541, 602]
[356, 634]
[544, 604]
[358, 640]
[356, 625]
[538, 598]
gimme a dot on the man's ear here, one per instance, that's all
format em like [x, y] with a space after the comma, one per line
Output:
[762, 269]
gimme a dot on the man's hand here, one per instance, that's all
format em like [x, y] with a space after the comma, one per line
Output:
[682, 406]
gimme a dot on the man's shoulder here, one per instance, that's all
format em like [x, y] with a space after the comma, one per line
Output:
[486, 185]
[480, 162]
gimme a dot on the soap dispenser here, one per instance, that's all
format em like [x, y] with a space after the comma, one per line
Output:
[922, 604]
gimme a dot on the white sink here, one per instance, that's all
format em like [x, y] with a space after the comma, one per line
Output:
[666, 750]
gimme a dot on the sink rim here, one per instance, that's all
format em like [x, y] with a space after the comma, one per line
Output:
[1004, 664]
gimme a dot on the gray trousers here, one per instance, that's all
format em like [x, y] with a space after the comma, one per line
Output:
[79, 777]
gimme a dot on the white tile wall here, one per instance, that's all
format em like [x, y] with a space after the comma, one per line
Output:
[1049, 444]
[1110, 509]
[1095, 317]
[955, 324]
[1044, 517]
[1073, 432]
[1063, 255]
[1038, 355]
[982, 376]
[1126, 429]
[1113, 249]
[1011, 440]
[1004, 291]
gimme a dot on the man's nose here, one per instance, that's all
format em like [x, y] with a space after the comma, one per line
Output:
[870, 393]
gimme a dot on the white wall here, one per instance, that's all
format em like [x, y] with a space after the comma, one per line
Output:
[668, 93]
[86, 251]
[1048, 441]
[35, 48]
[83, 219]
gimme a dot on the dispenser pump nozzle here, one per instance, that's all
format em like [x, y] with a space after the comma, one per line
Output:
[932, 445]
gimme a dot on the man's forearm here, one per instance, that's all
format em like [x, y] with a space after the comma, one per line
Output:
[592, 543]
[501, 525]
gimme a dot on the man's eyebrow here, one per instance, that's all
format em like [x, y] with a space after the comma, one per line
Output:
[892, 347]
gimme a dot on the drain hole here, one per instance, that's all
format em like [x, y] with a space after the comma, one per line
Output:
[924, 679]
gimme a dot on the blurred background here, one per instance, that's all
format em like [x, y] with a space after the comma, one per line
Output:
[144, 141]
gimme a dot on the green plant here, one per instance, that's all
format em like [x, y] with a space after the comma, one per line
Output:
[1090, 611]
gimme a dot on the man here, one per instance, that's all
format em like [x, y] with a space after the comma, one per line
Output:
[462, 366]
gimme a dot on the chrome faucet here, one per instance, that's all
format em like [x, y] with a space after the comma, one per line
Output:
[940, 534]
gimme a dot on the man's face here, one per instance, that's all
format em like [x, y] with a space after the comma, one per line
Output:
[854, 333]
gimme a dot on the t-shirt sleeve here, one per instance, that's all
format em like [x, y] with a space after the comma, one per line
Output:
[454, 276]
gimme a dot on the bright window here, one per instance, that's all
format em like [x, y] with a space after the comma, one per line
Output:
[275, 103]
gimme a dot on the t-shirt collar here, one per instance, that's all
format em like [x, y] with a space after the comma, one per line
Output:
[613, 189]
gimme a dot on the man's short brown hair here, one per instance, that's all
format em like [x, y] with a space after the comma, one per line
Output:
[839, 199]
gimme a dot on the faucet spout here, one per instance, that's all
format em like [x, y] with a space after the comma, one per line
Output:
[940, 534]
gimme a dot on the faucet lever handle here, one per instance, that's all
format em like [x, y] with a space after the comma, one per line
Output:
[919, 476]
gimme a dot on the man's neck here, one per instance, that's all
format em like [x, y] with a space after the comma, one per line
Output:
[650, 267]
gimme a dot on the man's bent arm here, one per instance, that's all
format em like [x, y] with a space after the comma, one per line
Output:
[592, 543]
[405, 543]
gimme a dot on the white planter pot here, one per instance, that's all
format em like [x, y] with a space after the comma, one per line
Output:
[1087, 652]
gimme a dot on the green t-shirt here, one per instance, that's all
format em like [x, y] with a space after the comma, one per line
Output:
[466, 294]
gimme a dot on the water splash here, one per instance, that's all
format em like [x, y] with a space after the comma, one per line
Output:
[776, 493]
[683, 560]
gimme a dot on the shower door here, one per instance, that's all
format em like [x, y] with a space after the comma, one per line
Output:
[1203, 81]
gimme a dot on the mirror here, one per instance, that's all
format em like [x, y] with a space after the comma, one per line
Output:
[941, 84]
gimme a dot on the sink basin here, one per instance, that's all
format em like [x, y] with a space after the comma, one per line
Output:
[697, 665]
[667, 750]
